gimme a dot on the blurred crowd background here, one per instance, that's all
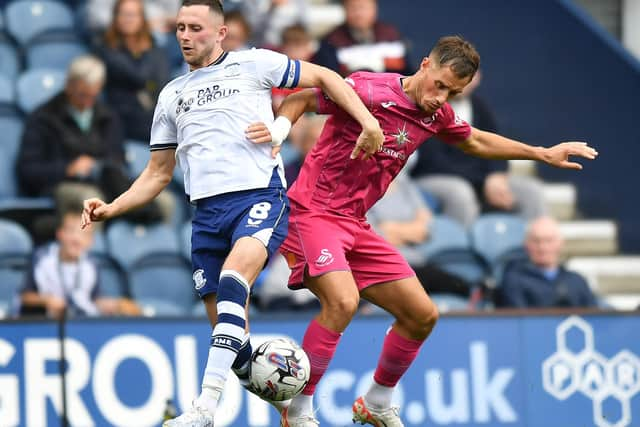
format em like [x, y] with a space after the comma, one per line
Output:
[78, 85]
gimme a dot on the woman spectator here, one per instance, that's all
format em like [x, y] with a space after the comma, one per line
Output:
[137, 69]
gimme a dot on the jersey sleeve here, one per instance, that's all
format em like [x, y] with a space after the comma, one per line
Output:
[453, 129]
[327, 106]
[163, 129]
[276, 70]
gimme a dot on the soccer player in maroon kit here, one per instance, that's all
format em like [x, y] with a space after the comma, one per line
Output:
[334, 252]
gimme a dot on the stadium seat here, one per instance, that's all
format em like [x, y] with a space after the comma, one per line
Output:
[11, 126]
[448, 247]
[9, 59]
[7, 94]
[12, 275]
[14, 239]
[11, 204]
[99, 246]
[136, 154]
[162, 284]
[184, 237]
[450, 302]
[37, 86]
[53, 54]
[112, 278]
[25, 19]
[494, 235]
[445, 234]
[128, 242]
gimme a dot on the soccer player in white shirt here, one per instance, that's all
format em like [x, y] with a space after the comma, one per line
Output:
[203, 120]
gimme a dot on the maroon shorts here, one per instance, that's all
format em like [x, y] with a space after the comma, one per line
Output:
[321, 243]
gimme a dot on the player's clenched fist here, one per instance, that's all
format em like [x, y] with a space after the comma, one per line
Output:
[94, 210]
[370, 141]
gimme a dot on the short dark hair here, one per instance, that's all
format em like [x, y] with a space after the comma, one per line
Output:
[214, 5]
[236, 15]
[457, 53]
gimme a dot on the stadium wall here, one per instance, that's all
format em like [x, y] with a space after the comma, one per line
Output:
[509, 370]
[551, 74]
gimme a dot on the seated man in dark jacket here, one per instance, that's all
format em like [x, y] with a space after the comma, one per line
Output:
[541, 281]
[72, 146]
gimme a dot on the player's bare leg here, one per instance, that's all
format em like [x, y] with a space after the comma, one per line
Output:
[416, 315]
[339, 301]
[229, 342]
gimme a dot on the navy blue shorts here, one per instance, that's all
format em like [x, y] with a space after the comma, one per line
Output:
[219, 221]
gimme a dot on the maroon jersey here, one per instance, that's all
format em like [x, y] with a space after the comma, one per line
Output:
[331, 181]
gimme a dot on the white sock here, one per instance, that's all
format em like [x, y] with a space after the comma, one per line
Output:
[301, 405]
[379, 396]
[210, 396]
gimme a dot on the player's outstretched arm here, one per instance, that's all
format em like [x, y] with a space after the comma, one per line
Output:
[343, 95]
[153, 179]
[493, 146]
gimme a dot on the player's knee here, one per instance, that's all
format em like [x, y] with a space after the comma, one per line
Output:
[233, 288]
[344, 306]
[422, 321]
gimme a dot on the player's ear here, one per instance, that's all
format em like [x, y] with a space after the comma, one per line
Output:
[425, 62]
[222, 32]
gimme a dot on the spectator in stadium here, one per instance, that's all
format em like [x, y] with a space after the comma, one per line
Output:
[160, 13]
[238, 33]
[268, 18]
[364, 43]
[72, 146]
[542, 281]
[297, 43]
[465, 185]
[63, 281]
[136, 68]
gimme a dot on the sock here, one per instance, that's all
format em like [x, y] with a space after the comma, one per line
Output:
[397, 355]
[300, 405]
[228, 334]
[320, 344]
[241, 365]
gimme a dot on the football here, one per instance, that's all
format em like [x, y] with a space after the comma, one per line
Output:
[279, 370]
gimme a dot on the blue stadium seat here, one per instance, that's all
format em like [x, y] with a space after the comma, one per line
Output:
[7, 93]
[37, 86]
[99, 246]
[495, 234]
[12, 275]
[9, 59]
[161, 283]
[53, 54]
[184, 237]
[136, 154]
[128, 242]
[14, 239]
[9, 144]
[445, 234]
[450, 302]
[112, 278]
[448, 247]
[26, 19]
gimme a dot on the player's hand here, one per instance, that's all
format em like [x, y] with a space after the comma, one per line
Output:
[369, 141]
[259, 133]
[558, 155]
[94, 210]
